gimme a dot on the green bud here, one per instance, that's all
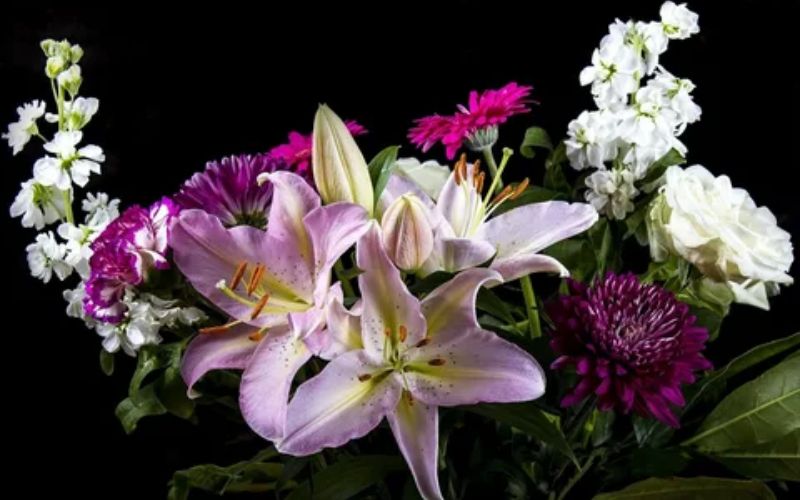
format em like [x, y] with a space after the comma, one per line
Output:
[55, 65]
[49, 47]
[76, 53]
[71, 79]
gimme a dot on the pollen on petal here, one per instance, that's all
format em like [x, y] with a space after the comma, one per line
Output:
[423, 342]
[364, 377]
[436, 362]
[403, 332]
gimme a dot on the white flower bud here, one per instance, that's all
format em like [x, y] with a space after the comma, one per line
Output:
[407, 232]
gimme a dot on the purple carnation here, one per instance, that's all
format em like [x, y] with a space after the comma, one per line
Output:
[123, 253]
[228, 189]
[632, 344]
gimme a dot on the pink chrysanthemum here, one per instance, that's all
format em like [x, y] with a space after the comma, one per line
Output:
[297, 152]
[632, 344]
[476, 122]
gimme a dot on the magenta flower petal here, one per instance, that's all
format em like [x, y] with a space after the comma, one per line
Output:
[297, 152]
[632, 344]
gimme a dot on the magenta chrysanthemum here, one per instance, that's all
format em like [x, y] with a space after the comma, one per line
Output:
[632, 344]
[297, 152]
[483, 113]
[129, 246]
[228, 189]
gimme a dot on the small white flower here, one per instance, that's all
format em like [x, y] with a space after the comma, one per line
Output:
[646, 39]
[20, 132]
[46, 256]
[677, 94]
[611, 191]
[678, 21]
[75, 308]
[720, 230]
[112, 336]
[78, 246]
[77, 113]
[169, 314]
[615, 72]
[71, 79]
[592, 140]
[99, 210]
[38, 205]
[69, 165]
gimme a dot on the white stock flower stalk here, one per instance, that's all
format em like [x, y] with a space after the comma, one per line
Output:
[635, 124]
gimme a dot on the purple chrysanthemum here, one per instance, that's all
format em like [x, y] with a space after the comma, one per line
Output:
[123, 253]
[632, 344]
[228, 189]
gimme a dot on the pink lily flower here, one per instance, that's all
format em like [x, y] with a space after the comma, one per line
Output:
[403, 359]
[275, 284]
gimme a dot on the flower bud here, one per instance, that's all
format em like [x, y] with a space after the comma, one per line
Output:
[75, 53]
[55, 65]
[71, 79]
[407, 232]
[340, 171]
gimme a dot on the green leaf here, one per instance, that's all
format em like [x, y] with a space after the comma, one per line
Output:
[535, 137]
[348, 477]
[696, 488]
[554, 178]
[380, 169]
[778, 459]
[576, 254]
[758, 412]
[489, 302]
[255, 475]
[529, 419]
[650, 431]
[658, 167]
[602, 240]
[144, 403]
[710, 302]
[106, 362]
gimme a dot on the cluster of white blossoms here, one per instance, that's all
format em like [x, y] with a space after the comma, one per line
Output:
[635, 125]
[47, 199]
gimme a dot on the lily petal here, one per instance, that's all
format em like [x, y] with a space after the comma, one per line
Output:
[397, 187]
[457, 202]
[264, 393]
[343, 332]
[477, 367]
[454, 254]
[292, 200]
[415, 426]
[228, 350]
[339, 404]
[531, 228]
[389, 308]
[522, 265]
[450, 309]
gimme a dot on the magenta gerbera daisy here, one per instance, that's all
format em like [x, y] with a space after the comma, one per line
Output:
[632, 344]
[297, 152]
[475, 123]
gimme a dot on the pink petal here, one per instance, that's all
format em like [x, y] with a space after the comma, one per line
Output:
[388, 305]
[292, 200]
[266, 381]
[343, 332]
[415, 426]
[339, 404]
[217, 351]
[449, 310]
[518, 266]
[477, 367]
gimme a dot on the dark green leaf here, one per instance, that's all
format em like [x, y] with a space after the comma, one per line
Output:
[763, 410]
[348, 477]
[602, 240]
[380, 169]
[529, 419]
[601, 427]
[144, 403]
[657, 169]
[710, 302]
[255, 475]
[650, 431]
[554, 178]
[695, 488]
[489, 302]
[430, 282]
[778, 459]
[535, 137]
[106, 362]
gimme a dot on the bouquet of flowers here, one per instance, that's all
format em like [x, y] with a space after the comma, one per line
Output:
[332, 304]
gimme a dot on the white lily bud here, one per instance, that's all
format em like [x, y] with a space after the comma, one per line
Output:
[340, 171]
[407, 232]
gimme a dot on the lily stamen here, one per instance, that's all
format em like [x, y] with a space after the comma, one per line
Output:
[501, 196]
[255, 278]
[238, 275]
[437, 362]
[258, 335]
[364, 377]
[262, 302]
[403, 333]
[519, 189]
[423, 342]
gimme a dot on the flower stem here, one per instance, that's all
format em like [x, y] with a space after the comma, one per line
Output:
[347, 287]
[578, 475]
[534, 326]
[489, 157]
[68, 206]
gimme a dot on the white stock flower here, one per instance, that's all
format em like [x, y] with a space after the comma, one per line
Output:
[592, 139]
[78, 246]
[46, 256]
[611, 191]
[77, 113]
[70, 79]
[99, 210]
[37, 204]
[720, 230]
[20, 132]
[74, 298]
[614, 73]
[70, 164]
[677, 95]
[678, 21]
[647, 40]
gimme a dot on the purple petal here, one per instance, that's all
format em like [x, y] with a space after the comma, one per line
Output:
[450, 309]
[531, 228]
[415, 426]
[292, 200]
[477, 367]
[266, 381]
[229, 350]
[343, 332]
[389, 308]
[339, 404]
[522, 265]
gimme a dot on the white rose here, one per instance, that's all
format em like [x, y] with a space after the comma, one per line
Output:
[720, 230]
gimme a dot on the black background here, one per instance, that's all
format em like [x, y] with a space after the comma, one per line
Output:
[180, 87]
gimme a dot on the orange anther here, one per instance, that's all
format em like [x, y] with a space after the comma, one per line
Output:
[259, 306]
[238, 274]
[403, 331]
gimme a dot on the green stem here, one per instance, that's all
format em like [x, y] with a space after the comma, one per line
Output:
[347, 287]
[534, 326]
[60, 104]
[68, 206]
[489, 157]
[578, 475]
